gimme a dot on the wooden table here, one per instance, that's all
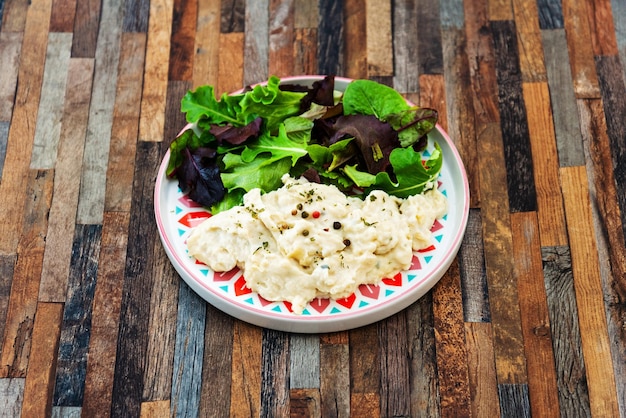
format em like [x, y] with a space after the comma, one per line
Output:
[530, 318]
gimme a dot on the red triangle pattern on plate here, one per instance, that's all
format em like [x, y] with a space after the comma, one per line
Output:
[186, 201]
[224, 276]
[320, 304]
[370, 291]
[193, 219]
[393, 281]
[241, 288]
[347, 302]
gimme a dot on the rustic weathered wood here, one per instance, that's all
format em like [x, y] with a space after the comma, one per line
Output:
[11, 396]
[39, 382]
[550, 14]
[304, 403]
[578, 35]
[246, 370]
[334, 381]
[56, 261]
[63, 15]
[10, 47]
[230, 63]
[534, 312]
[14, 15]
[514, 400]
[394, 366]
[205, 66]
[175, 118]
[432, 94]
[354, 30]
[364, 372]
[589, 299]
[543, 146]
[274, 374]
[484, 400]
[188, 354]
[304, 361]
[97, 141]
[330, 37]
[155, 409]
[21, 277]
[453, 375]
[256, 42]
[529, 43]
[429, 47]
[136, 14]
[22, 130]
[48, 129]
[405, 60]
[281, 38]
[86, 27]
[152, 116]
[7, 265]
[305, 14]
[182, 47]
[378, 34]
[232, 16]
[305, 51]
[601, 27]
[500, 9]
[570, 368]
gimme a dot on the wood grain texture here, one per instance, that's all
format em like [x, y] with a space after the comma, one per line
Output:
[155, 409]
[256, 42]
[534, 313]
[364, 372]
[529, 44]
[305, 51]
[305, 14]
[232, 16]
[304, 403]
[136, 14]
[11, 396]
[4, 135]
[330, 37]
[354, 30]
[86, 27]
[602, 27]
[514, 400]
[550, 14]
[14, 15]
[429, 38]
[63, 15]
[484, 400]
[500, 10]
[274, 374]
[246, 370]
[589, 300]
[433, 95]
[394, 367]
[378, 34]
[7, 265]
[205, 67]
[334, 382]
[281, 38]
[10, 47]
[405, 35]
[304, 361]
[182, 46]
[230, 64]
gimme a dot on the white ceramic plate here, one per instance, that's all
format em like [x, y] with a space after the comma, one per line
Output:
[176, 216]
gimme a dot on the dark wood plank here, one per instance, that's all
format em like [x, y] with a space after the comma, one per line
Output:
[330, 40]
[550, 14]
[182, 48]
[135, 304]
[305, 51]
[188, 354]
[7, 265]
[406, 56]
[4, 135]
[485, 401]
[602, 28]
[136, 14]
[354, 28]
[304, 403]
[275, 374]
[570, 368]
[334, 378]
[14, 15]
[395, 397]
[429, 44]
[513, 122]
[471, 260]
[364, 372]
[256, 45]
[86, 28]
[63, 15]
[233, 16]
[76, 325]
[245, 370]
[176, 119]
[514, 400]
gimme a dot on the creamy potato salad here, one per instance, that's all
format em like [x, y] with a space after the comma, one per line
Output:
[308, 240]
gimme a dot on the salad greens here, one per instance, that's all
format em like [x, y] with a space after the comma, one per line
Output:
[366, 138]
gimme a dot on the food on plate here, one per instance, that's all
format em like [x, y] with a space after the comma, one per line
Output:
[308, 240]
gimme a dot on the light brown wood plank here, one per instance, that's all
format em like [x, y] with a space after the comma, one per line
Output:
[60, 234]
[589, 300]
[534, 312]
[182, 50]
[580, 49]
[230, 63]
[106, 314]
[205, 66]
[48, 129]
[10, 47]
[125, 123]
[16, 345]
[305, 51]
[157, 57]
[246, 370]
[378, 31]
[601, 27]
[22, 130]
[481, 370]
[14, 15]
[39, 383]
[529, 44]
[304, 403]
[281, 38]
[552, 228]
[155, 409]
[355, 31]
[500, 10]
[433, 94]
[63, 15]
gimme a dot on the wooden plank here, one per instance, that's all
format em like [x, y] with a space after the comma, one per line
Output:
[304, 361]
[330, 41]
[218, 365]
[550, 14]
[364, 372]
[48, 129]
[589, 296]
[568, 140]
[578, 33]
[354, 29]
[280, 54]
[56, 261]
[66, 412]
[406, 56]
[77, 313]
[432, 94]
[601, 27]
[569, 363]
[86, 26]
[10, 47]
[63, 15]
[39, 382]
[378, 38]
[152, 116]
[7, 265]
[230, 63]
[97, 141]
[188, 353]
[545, 164]
[205, 64]
[119, 177]
[246, 370]
[529, 44]
[14, 16]
[132, 340]
[304, 403]
[513, 122]
[450, 345]
[500, 10]
[274, 374]
[256, 42]
[472, 271]
[334, 379]
[484, 400]
[305, 51]
[25, 274]
[136, 14]
[4, 135]
[305, 14]
[451, 14]
[534, 312]
[429, 38]
[153, 409]
[175, 118]
[394, 366]
[106, 314]
[232, 16]
[181, 46]
[23, 121]
[514, 400]
[11, 396]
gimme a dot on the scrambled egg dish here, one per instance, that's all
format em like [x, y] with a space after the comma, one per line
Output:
[308, 240]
